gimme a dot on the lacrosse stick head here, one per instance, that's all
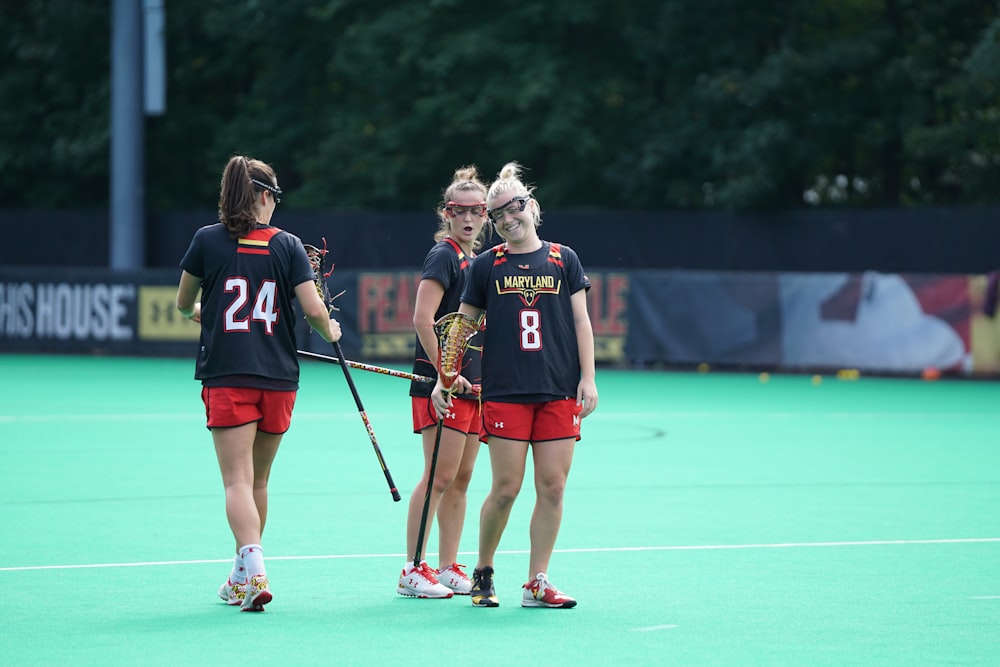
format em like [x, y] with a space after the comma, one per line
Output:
[317, 260]
[454, 331]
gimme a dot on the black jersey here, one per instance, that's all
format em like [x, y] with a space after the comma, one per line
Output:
[447, 264]
[247, 312]
[529, 347]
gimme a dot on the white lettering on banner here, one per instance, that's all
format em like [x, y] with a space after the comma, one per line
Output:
[94, 311]
[63, 307]
[120, 294]
[16, 317]
[44, 310]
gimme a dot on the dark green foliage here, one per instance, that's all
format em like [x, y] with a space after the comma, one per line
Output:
[642, 104]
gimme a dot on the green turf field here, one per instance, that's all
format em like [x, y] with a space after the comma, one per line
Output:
[711, 519]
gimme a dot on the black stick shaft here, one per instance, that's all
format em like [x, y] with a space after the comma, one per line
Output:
[427, 495]
[367, 367]
[368, 424]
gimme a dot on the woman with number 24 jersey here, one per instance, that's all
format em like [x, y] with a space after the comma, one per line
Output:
[249, 273]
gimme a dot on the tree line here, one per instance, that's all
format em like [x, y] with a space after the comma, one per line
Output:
[646, 104]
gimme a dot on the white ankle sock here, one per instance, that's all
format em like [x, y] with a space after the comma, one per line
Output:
[239, 573]
[253, 559]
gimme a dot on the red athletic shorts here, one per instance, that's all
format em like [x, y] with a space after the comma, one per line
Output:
[226, 407]
[531, 422]
[463, 416]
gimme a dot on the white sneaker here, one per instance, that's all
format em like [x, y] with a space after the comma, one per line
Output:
[420, 582]
[454, 578]
[258, 594]
[232, 593]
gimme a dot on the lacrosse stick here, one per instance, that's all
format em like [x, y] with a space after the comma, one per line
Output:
[454, 331]
[367, 367]
[475, 390]
[316, 259]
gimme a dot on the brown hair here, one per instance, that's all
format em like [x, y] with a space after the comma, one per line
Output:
[465, 179]
[238, 193]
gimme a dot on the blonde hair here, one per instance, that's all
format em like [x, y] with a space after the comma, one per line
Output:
[509, 181]
[238, 193]
[465, 179]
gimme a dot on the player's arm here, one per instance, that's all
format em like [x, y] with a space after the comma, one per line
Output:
[316, 313]
[586, 392]
[187, 295]
[429, 295]
[469, 310]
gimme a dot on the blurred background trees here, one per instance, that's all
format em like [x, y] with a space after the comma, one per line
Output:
[649, 104]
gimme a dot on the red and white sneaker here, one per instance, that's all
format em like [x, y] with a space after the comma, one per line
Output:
[232, 593]
[454, 578]
[258, 594]
[541, 593]
[421, 582]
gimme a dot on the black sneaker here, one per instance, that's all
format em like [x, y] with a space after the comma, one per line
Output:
[482, 592]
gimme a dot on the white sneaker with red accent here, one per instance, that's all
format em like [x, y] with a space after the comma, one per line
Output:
[258, 594]
[455, 578]
[232, 593]
[541, 593]
[421, 582]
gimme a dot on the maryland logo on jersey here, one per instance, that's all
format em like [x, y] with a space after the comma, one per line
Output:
[530, 287]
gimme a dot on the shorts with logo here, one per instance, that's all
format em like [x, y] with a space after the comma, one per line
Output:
[531, 422]
[462, 417]
[227, 407]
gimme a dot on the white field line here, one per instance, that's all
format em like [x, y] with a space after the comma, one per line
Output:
[654, 628]
[707, 547]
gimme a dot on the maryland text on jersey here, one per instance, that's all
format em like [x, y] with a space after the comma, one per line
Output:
[528, 287]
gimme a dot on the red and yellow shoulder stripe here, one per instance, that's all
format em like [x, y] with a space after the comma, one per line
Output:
[555, 254]
[499, 256]
[463, 261]
[256, 242]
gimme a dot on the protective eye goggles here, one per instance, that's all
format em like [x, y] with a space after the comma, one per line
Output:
[273, 189]
[515, 205]
[458, 211]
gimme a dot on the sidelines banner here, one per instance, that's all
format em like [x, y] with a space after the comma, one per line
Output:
[690, 317]
[900, 323]
[93, 311]
[797, 321]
